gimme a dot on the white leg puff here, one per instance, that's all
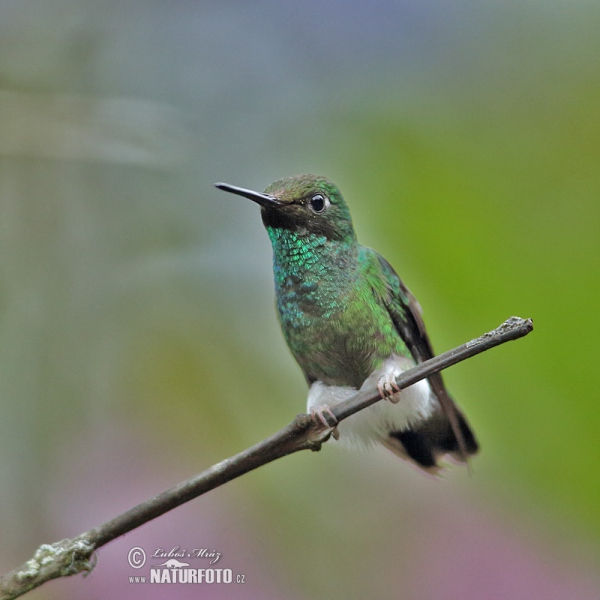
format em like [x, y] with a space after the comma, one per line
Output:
[369, 426]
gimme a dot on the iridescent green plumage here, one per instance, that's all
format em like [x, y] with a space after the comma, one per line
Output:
[345, 315]
[331, 291]
[332, 312]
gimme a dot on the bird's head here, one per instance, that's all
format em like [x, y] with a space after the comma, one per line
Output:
[305, 204]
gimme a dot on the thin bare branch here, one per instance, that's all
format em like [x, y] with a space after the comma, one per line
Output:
[72, 556]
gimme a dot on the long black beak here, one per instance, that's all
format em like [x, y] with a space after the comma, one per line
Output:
[265, 200]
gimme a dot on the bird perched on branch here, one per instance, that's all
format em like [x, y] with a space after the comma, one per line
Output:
[351, 323]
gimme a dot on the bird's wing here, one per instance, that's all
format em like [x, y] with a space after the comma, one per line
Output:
[405, 313]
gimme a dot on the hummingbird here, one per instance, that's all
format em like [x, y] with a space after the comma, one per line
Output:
[352, 324]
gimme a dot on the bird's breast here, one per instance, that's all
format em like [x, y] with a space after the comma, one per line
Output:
[333, 339]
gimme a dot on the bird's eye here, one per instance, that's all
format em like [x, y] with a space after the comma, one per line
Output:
[318, 203]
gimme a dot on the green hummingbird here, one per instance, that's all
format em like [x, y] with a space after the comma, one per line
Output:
[351, 324]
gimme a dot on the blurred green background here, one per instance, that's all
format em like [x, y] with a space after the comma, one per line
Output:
[138, 338]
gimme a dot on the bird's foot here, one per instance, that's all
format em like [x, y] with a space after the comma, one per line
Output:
[388, 388]
[330, 421]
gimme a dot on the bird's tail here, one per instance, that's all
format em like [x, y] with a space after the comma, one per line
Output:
[430, 440]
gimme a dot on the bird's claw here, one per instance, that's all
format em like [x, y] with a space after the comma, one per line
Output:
[318, 416]
[388, 388]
